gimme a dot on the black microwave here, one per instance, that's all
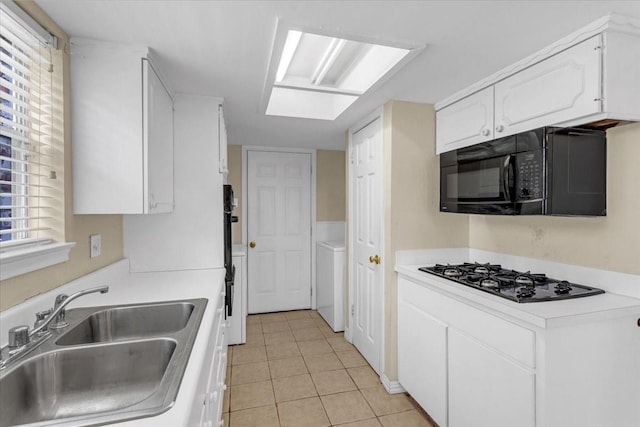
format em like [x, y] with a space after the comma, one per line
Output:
[547, 171]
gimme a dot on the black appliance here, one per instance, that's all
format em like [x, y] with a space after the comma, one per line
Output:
[511, 284]
[547, 171]
[228, 203]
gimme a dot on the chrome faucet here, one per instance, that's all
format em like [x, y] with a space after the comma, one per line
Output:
[58, 314]
[20, 341]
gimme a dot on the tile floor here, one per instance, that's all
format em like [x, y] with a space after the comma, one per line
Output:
[294, 371]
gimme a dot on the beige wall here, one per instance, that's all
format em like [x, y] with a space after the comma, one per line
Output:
[411, 196]
[77, 227]
[234, 163]
[330, 185]
[610, 243]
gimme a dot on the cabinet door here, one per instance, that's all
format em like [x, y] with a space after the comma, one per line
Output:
[465, 122]
[486, 388]
[158, 143]
[422, 356]
[564, 87]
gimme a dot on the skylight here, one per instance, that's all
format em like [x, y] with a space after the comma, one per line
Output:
[319, 77]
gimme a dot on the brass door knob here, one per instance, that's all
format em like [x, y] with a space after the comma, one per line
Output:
[252, 244]
[374, 259]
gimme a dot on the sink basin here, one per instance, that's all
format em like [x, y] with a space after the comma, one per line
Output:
[83, 381]
[111, 364]
[116, 324]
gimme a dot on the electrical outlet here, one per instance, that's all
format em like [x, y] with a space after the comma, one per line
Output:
[95, 245]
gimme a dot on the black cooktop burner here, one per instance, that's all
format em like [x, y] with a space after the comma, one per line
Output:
[513, 285]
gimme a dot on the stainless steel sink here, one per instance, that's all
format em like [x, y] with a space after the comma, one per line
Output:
[123, 323]
[111, 364]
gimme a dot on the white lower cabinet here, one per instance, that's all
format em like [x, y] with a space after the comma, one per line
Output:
[422, 363]
[208, 404]
[485, 387]
[469, 365]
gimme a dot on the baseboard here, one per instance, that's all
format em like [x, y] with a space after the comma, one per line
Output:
[392, 387]
[347, 334]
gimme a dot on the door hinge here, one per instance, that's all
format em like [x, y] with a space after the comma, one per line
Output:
[353, 310]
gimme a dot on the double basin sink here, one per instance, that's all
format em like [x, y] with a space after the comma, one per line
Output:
[113, 363]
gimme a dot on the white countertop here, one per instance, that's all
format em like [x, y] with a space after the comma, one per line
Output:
[137, 288]
[541, 314]
[618, 300]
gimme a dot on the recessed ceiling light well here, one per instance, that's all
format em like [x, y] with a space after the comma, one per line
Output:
[318, 76]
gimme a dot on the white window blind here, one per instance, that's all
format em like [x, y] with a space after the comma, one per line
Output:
[31, 142]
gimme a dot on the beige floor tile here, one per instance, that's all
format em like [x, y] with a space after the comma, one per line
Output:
[269, 328]
[299, 314]
[302, 323]
[280, 351]
[315, 315]
[264, 416]
[309, 348]
[351, 358]
[293, 388]
[288, 367]
[405, 419]
[227, 377]
[272, 317]
[225, 419]
[255, 328]
[364, 377]
[307, 334]
[252, 395]
[371, 422]
[229, 354]
[225, 400]
[384, 403]
[346, 407]
[276, 338]
[250, 373]
[330, 382]
[254, 339]
[328, 332]
[253, 319]
[303, 413]
[324, 328]
[322, 362]
[251, 354]
[340, 344]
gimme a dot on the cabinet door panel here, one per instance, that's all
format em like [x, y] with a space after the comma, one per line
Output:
[564, 87]
[158, 143]
[487, 389]
[422, 357]
[466, 122]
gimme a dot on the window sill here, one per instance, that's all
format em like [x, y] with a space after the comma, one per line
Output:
[21, 261]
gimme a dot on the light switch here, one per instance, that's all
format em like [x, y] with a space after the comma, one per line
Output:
[95, 245]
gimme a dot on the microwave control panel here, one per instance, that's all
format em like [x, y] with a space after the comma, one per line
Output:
[530, 174]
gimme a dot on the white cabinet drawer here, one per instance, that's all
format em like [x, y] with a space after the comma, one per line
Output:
[512, 340]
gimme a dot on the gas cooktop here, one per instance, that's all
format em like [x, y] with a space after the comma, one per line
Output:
[511, 284]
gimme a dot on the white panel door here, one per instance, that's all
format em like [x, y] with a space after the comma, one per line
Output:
[466, 122]
[422, 353]
[487, 389]
[564, 87]
[367, 222]
[278, 231]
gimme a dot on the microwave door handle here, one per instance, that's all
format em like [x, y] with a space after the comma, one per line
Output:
[508, 178]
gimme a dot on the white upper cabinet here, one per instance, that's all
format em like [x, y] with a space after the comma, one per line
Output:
[122, 131]
[564, 87]
[467, 122]
[588, 77]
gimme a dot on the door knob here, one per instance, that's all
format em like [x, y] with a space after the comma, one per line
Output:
[252, 244]
[374, 259]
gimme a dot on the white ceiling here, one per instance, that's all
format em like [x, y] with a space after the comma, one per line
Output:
[222, 48]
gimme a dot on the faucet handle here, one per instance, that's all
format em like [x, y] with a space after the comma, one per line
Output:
[40, 318]
[59, 322]
[18, 337]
